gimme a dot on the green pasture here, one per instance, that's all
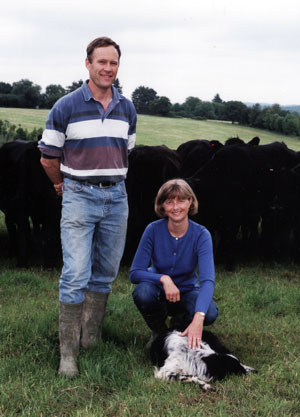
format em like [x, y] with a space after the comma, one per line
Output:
[259, 320]
[153, 130]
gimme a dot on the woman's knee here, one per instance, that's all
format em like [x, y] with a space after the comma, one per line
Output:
[212, 314]
[146, 295]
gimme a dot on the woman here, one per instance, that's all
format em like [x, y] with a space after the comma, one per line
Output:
[165, 264]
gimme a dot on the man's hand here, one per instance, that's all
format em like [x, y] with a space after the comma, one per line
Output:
[58, 188]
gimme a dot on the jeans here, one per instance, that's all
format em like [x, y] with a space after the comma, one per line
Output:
[93, 233]
[150, 300]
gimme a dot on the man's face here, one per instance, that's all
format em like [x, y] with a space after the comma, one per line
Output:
[104, 67]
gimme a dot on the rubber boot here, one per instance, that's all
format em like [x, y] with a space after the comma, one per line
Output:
[158, 326]
[93, 313]
[69, 336]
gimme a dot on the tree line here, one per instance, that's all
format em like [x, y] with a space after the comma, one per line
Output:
[26, 94]
[273, 118]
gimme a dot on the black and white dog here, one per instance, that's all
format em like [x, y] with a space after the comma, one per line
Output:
[174, 360]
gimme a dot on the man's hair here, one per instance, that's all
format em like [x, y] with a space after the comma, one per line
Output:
[171, 189]
[101, 42]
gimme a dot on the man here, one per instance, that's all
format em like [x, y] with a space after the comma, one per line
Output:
[85, 154]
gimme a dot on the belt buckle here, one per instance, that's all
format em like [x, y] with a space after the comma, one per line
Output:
[104, 186]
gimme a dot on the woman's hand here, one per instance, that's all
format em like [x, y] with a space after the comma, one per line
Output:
[171, 291]
[194, 331]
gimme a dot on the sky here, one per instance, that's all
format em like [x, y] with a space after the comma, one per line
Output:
[242, 50]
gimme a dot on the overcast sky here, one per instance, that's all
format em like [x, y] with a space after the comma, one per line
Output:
[243, 50]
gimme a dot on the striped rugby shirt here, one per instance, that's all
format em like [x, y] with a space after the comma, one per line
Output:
[93, 144]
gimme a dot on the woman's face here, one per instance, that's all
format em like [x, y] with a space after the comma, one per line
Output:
[177, 208]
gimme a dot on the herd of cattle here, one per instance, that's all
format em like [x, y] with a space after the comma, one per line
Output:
[249, 198]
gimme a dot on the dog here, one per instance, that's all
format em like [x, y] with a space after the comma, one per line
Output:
[174, 360]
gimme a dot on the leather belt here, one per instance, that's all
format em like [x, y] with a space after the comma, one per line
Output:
[103, 184]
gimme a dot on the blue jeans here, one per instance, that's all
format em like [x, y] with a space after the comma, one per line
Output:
[93, 233]
[151, 301]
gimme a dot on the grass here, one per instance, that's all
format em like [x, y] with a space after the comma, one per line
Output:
[259, 321]
[27, 118]
[152, 130]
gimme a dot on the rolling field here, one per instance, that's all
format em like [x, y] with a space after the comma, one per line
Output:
[152, 130]
[259, 320]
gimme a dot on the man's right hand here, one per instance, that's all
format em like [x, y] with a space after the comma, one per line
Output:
[58, 188]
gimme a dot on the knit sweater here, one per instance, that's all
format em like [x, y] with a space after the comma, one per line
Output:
[159, 253]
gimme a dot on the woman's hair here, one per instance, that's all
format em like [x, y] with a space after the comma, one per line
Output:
[98, 43]
[171, 189]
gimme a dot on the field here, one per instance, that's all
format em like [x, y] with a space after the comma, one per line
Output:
[259, 320]
[152, 130]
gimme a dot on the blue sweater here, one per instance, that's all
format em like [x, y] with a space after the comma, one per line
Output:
[178, 258]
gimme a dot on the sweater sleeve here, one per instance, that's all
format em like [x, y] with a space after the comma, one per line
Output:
[140, 269]
[206, 272]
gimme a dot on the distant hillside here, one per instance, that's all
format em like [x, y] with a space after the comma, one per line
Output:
[291, 107]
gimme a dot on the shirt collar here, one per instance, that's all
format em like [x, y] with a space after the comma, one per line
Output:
[116, 96]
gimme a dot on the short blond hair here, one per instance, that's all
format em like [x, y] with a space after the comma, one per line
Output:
[171, 189]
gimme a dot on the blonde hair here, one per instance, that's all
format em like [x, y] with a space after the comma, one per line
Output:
[171, 189]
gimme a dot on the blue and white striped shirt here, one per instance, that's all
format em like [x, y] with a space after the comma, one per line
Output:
[92, 144]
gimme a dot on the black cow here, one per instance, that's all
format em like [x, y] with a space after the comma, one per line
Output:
[27, 194]
[196, 153]
[236, 187]
[238, 141]
[281, 220]
[149, 168]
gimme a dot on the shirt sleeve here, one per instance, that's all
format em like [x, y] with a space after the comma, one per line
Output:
[53, 138]
[132, 129]
[141, 270]
[206, 271]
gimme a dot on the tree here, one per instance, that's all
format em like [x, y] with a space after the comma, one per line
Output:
[74, 86]
[118, 86]
[160, 106]
[205, 110]
[5, 88]
[29, 93]
[10, 100]
[177, 107]
[234, 111]
[254, 112]
[52, 94]
[217, 99]
[142, 97]
[291, 125]
[219, 110]
[275, 123]
[190, 105]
